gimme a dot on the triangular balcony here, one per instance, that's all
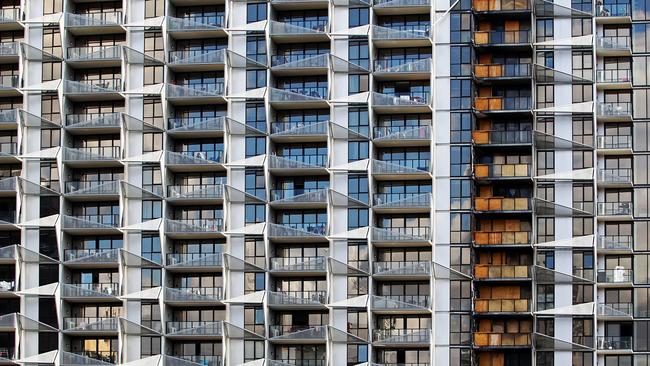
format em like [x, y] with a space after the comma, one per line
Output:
[401, 235]
[94, 122]
[92, 257]
[101, 223]
[197, 126]
[196, 26]
[191, 93]
[415, 102]
[92, 189]
[401, 202]
[297, 231]
[299, 131]
[298, 264]
[194, 329]
[184, 261]
[298, 333]
[205, 59]
[400, 303]
[90, 326]
[88, 291]
[297, 298]
[298, 97]
[299, 198]
[395, 337]
[194, 295]
[402, 269]
[397, 169]
[300, 64]
[400, 135]
[290, 165]
[199, 193]
[305, 31]
[402, 68]
[205, 160]
[99, 56]
[404, 36]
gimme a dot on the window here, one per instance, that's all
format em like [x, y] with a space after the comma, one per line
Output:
[152, 179]
[254, 251]
[358, 17]
[358, 187]
[582, 93]
[255, 79]
[357, 286]
[461, 127]
[357, 217]
[461, 194]
[461, 94]
[152, 141]
[52, 6]
[583, 130]
[460, 27]
[460, 330]
[583, 293]
[150, 315]
[545, 229]
[151, 209]
[253, 282]
[460, 161]
[50, 137]
[359, 54]
[151, 277]
[256, 48]
[154, 8]
[583, 332]
[358, 255]
[255, 213]
[253, 350]
[154, 44]
[461, 228]
[256, 116]
[582, 159]
[153, 74]
[460, 356]
[255, 183]
[545, 297]
[255, 145]
[545, 358]
[255, 12]
[50, 108]
[51, 71]
[358, 120]
[461, 295]
[50, 176]
[583, 197]
[254, 319]
[152, 111]
[149, 346]
[150, 248]
[357, 353]
[545, 96]
[545, 162]
[358, 150]
[581, 26]
[358, 83]
[461, 61]
[544, 30]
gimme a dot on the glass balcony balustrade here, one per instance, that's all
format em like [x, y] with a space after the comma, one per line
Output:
[498, 137]
[403, 65]
[401, 32]
[297, 298]
[402, 336]
[615, 242]
[404, 268]
[613, 10]
[97, 221]
[195, 225]
[91, 153]
[302, 128]
[10, 15]
[401, 234]
[298, 94]
[195, 191]
[9, 116]
[614, 142]
[107, 18]
[500, 5]
[400, 3]
[298, 161]
[401, 166]
[614, 343]
[196, 56]
[488, 71]
[93, 86]
[94, 53]
[196, 124]
[297, 27]
[299, 196]
[82, 290]
[496, 103]
[190, 260]
[101, 357]
[300, 61]
[401, 100]
[613, 43]
[9, 48]
[7, 285]
[490, 271]
[502, 170]
[300, 229]
[402, 200]
[615, 208]
[619, 175]
[196, 22]
[613, 276]
[614, 76]
[502, 305]
[298, 264]
[90, 256]
[400, 302]
[502, 37]
[8, 149]
[194, 328]
[91, 324]
[93, 188]
[94, 120]
[402, 132]
[616, 309]
[194, 157]
[9, 81]
[209, 360]
[195, 90]
[614, 109]
[298, 332]
[193, 294]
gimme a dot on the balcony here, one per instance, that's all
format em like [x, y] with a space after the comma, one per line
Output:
[402, 69]
[614, 144]
[383, 7]
[106, 223]
[417, 101]
[401, 169]
[92, 190]
[400, 303]
[194, 329]
[613, 14]
[501, 6]
[621, 177]
[300, 299]
[197, 26]
[9, 51]
[92, 89]
[401, 135]
[186, 160]
[502, 238]
[401, 202]
[502, 171]
[411, 35]
[511, 39]
[502, 340]
[298, 265]
[614, 344]
[614, 111]
[615, 243]
[213, 360]
[614, 210]
[8, 152]
[500, 105]
[9, 19]
[87, 292]
[502, 138]
[90, 326]
[399, 235]
[197, 59]
[503, 72]
[89, 357]
[298, 164]
[503, 204]
[297, 30]
[7, 287]
[613, 46]
[297, 231]
[304, 131]
[299, 198]
[9, 85]
[196, 92]
[183, 296]
[93, 122]
[615, 311]
[92, 257]
[298, 333]
[614, 79]
[301, 64]
[409, 269]
[93, 156]
[95, 23]
[195, 193]
[199, 261]
[194, 228]
[396, 337]
[618, 276]
[502, 272]
[196, 126]
[95, 56]
[305, 97]
[501, 306]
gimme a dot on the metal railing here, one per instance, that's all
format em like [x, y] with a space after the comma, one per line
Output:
[502, 37]
[615, 242]
[613, 10]
[617, 275]
[613, 42]
[614, 342]
[614, 142]
[614, 109]
[614, 76]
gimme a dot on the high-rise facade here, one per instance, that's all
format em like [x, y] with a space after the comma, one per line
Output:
[325, 182]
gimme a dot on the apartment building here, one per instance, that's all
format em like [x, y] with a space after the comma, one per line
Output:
[324, 182]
